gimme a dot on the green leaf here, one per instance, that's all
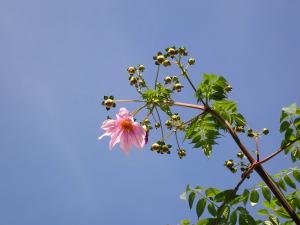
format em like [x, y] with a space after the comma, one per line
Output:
[274, 220]
[296, 175]
[210, 192]
[289, 181]
[283, 116]
[233, 218]
[183, 196]
[282, 213]
[200, 206]
[254, 197]
[269, 205]
[246, 219]
[224, 195]
[290, 109]
[245, 196]
[282, 185]
[289, 134]
[263, 212]
[284, 125]
[191, 199]
[266, 193]
[212, 209]
[205, 221]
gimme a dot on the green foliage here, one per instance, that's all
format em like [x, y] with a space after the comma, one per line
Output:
[203, 132]
[290, 126]
[228, 110]
[212, 87]
[160, 97]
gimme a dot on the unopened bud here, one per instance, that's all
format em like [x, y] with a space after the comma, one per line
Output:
[131, 70]
[191, 61]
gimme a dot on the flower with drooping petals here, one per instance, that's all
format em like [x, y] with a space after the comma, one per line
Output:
[124, 130]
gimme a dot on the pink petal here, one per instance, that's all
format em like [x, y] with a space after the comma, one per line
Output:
[115, 138]
[124, 113]
[125, 143]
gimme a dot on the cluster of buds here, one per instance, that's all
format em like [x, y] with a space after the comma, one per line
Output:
[108, 102]
[181, 153]
[170, 79]
[161, 147]
[230, 165]
[175, 122]
[135, 76]
[161, 59]
[177, 87]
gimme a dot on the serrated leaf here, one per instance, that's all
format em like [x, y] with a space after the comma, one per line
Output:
[233, 218]
[263, 212]
[210, 192]
[212, 209]
[200, 206]
[266, 193]
[296, 175]
[289, 181]
[283, 116]
[191, 199]
[284, 125]
[254, 197]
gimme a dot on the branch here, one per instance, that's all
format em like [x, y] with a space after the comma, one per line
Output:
[278, 151]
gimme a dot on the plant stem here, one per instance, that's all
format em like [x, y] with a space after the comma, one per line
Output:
[157, 73]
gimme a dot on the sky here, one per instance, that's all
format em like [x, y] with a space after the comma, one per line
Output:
[59, 58]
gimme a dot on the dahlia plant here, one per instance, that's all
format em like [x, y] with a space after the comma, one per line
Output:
[216, 116]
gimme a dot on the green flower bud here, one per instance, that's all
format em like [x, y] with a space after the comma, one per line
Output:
[175, 117]
[165, 149]
[168, 79]
[166, 63]
[265, 131]
[157, 125]
[168, 124]
[181, 153]
[141, 68]
[228, 88]
[191, 61]
[229, 163]
[240, 155]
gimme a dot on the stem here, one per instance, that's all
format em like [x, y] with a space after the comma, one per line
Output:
[256, 166]
[128, 100]
[161, 128]
[257, 149]
[278, 151]
[157, 73]
[177, 139]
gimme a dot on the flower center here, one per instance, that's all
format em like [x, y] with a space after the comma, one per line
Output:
[126, 124]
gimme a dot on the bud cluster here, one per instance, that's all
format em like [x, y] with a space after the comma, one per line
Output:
[136, 77]
[161, 147]
[175, 122]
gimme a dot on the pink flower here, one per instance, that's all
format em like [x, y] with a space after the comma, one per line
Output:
[124, 130]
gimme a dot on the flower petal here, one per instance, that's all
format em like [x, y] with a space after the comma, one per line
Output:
[115, 138]
[125, 143]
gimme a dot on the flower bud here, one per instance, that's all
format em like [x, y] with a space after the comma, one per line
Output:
[142, 83]
[182, 51]
[108, 103]
[160, 58]
[131, 70]
[157, 125]
[265, 131]
[177, 87]
[165, 149]
[166, 63]
[168, 79]
[239, 129]
[181, 153]
[133, 80]
[171, 51]
[168, 124]
[228, 88]
[240, 155]
[155, 147]
[191, 61]
[141, 68]
[175, 117]
[229, 163]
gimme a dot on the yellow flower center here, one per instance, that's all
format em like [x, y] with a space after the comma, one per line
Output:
[126, 124]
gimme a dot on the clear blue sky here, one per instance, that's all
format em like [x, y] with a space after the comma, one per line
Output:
[57, 60]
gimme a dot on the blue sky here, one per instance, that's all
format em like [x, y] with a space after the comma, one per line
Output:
[58, 59]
